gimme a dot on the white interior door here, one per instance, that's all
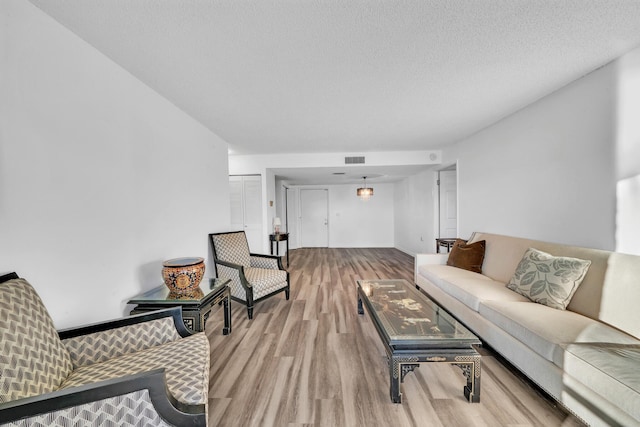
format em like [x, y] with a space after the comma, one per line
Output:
[236, 202]
[314, 212]
[253, 212]
[246, 208]
[448, 204]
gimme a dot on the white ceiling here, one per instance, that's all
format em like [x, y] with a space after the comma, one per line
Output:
[283, 76]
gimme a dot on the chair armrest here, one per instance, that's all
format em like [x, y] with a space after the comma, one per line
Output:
[428, 259]
[129, 394]
[105, 340]
[241, 277]
[272, 262]
[229, 264]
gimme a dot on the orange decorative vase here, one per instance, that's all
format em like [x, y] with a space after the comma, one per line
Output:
[183, 275]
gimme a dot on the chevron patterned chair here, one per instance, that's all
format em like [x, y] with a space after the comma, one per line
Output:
[253, 277]
[139, 370]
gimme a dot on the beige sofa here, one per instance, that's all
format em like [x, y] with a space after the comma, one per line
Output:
[587, 357]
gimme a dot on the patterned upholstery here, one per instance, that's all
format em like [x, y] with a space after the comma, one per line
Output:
[232, 247]
[33, 360]
[186, 362]
[100, 346]
[237, 290]
[131, 409]
[35, 363]
[256, 277]
[264, 262]
[265, 281]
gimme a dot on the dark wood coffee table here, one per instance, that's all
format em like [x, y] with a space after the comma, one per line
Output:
[414, 329]
[196, 306]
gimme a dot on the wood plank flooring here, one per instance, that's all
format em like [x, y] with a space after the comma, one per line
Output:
[312, 361]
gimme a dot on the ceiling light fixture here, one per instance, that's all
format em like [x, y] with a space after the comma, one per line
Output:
[364, 192]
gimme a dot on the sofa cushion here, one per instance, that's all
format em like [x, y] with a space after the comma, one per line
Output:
[466, 286]
[608, 369]
[186, 363]
[467, 256]
[33, 360]
[504, 253]
[548, 280]
[537, 326]
[620, 293]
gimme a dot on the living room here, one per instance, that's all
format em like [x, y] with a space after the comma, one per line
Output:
[103, 178]
[107, 193]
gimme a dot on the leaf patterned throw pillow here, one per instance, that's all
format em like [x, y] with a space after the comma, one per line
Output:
[548, 280]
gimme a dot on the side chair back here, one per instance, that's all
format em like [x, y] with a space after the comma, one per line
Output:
[35, 361]
[232, 247]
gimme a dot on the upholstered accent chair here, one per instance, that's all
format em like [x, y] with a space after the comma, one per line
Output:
[140, 370]
[253, 277]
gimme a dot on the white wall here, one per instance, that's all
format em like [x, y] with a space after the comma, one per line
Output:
[546, 172]
[415, 202]
[357, 223]
[628, 110]
[100, 178]
[263, 164]
[353, 223]
[628, 153]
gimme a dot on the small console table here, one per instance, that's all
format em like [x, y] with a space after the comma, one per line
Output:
[445, 243]
[277, 238]
[196, 306]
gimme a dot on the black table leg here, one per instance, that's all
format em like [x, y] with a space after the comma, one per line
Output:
[227, 313]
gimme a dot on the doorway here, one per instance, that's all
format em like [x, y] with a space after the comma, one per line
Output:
[314, 214]
[245, 193]
[448, 201]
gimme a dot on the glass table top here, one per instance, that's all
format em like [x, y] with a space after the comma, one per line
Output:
[407, 316]
[162, 295]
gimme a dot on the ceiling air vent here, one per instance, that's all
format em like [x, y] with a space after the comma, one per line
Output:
[354, 160]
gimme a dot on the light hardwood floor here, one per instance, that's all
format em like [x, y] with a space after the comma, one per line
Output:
[312, 361]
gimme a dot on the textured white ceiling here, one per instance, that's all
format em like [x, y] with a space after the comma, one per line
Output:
[276, 76]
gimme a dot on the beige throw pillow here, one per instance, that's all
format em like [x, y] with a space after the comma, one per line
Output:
[548, 280]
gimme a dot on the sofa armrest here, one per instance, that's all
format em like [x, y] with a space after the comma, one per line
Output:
[272, 262]
[104, 340]
[128, 394]
[428, 259]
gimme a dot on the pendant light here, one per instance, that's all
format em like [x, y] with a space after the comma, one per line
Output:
[364, 192]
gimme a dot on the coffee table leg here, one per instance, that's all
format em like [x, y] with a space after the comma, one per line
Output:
[472, 369]
[360, 308]
[227, 314]
[394, 378]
